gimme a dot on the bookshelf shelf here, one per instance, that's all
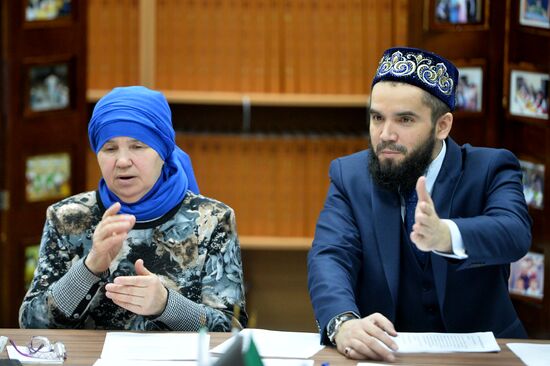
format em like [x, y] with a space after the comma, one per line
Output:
[256, 99]
[275, 243]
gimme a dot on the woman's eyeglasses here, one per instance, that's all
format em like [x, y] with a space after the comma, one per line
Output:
[41, 347]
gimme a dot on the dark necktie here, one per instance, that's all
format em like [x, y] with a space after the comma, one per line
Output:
[411, 200]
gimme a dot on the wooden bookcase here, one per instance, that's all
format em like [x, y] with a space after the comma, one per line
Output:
[496, 43]
[526, 131]
[43, 127]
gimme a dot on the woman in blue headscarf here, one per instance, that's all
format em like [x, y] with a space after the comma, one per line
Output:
[145, 251]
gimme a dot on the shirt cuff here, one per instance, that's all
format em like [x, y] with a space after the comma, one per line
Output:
[182, 314]
[75, 290]
[457, 244]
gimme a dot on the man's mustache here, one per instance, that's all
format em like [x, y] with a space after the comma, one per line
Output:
[391, 146]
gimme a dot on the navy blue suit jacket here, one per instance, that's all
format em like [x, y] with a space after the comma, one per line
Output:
[354, 261]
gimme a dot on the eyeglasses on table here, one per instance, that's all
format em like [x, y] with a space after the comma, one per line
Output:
[41, 347]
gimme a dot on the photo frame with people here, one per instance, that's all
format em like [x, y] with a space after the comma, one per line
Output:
[533, 183]
[47, 10]
[469, 91]
[456, 14]
[528, 94]
[535, 13]
[47, 176]
[48, 86]
[527, 276]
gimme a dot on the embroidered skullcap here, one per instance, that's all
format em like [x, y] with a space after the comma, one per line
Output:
[426, 70]
[143, 114]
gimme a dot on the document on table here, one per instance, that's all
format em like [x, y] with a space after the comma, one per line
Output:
[271, 343]
[446, 342]
[151, 346]
[104, 362]
[265, 361]
[532, 354]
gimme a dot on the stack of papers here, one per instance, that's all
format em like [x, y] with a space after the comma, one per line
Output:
[172, 349]
[123, 348]
[446, 342]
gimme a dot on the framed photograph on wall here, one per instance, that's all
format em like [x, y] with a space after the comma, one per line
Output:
[469, 91]
[48, 87]
[47, 177]
[527, 276]
[529, 94]
[534, 13]
[47, 10]
[533, 183]
[450, 14]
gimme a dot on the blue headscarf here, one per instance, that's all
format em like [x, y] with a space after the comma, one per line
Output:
[144, 115]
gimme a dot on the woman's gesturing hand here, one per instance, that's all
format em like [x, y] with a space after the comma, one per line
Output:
[108, 237]
[143, 294]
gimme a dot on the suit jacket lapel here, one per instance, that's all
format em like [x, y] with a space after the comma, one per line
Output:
[442, 196]
[387, 226]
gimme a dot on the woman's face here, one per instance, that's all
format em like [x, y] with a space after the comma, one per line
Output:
[130, 167]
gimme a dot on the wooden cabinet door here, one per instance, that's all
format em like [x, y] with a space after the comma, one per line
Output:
[43, 129]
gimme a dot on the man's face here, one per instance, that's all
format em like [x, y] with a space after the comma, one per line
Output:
[402, 136]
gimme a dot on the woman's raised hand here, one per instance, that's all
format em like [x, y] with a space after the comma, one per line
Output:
[108, 237]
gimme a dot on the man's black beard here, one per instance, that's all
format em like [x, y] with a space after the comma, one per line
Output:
[400, 177]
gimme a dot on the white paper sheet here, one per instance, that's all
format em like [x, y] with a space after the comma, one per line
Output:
[103, 362]
[532, 354]
[270, 343]
[151, 346]
[266, 362]
[286, 362]
[446, 342]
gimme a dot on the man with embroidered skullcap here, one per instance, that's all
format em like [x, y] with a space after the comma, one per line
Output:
[145, 251]
[417, 233]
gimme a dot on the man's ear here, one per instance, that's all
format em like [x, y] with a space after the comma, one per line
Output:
[443, 126]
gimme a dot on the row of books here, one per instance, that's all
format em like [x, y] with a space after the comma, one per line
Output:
[113, 43]
[274, 46]
[277, 185]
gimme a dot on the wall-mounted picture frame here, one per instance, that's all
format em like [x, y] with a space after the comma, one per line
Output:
[48, 86]
[469, 91]
[527, 276]
[47, 10]
[456, 14]
[529, 94]
[533, 183]
[535, 13]
[47, 176]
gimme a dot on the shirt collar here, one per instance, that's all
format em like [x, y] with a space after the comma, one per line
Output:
[434, 168]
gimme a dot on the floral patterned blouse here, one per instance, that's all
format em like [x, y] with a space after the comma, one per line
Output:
[194, 249]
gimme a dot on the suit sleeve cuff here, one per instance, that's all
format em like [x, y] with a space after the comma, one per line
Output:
[457, 244]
